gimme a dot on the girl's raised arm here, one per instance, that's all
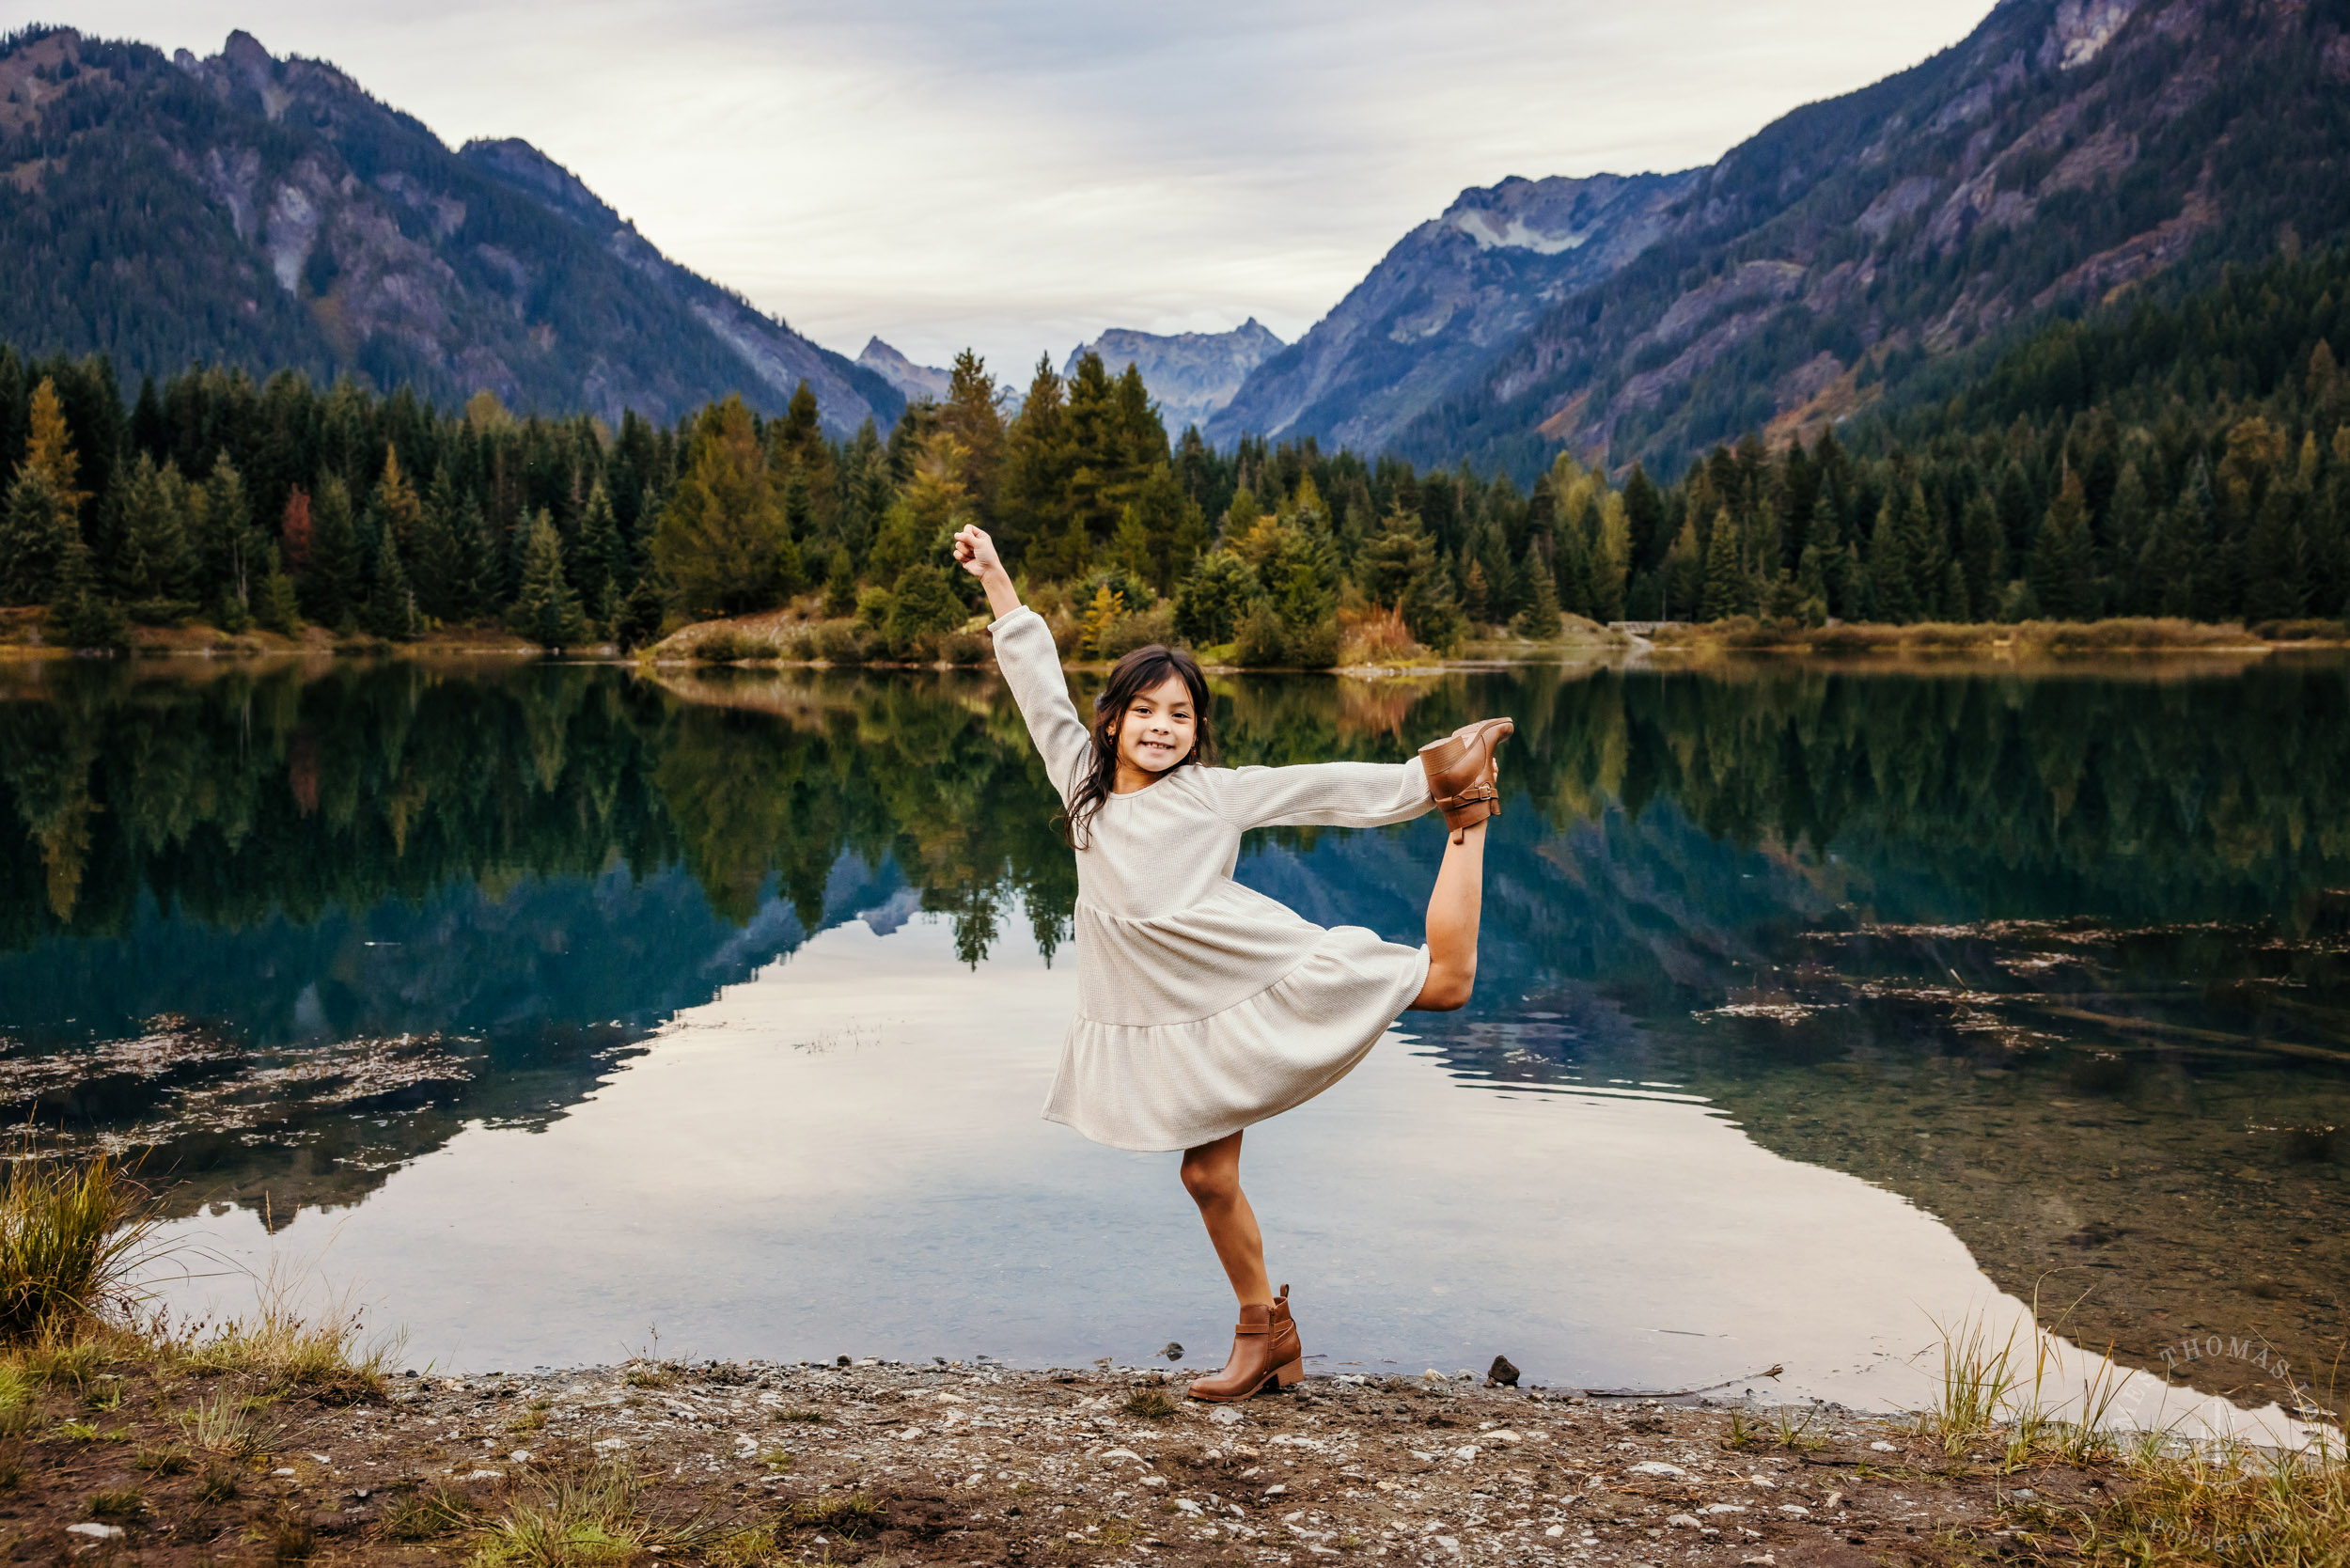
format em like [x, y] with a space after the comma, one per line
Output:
[1322, 794]
[1031, 666]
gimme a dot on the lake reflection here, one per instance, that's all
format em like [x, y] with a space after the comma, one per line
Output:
[722, 1004]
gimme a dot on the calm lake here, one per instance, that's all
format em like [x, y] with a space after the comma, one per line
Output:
[556, 1013]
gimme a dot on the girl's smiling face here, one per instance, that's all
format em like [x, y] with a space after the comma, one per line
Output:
[1156, 731]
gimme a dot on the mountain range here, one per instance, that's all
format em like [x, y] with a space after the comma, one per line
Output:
[268, 212]
[1191, 374]
[1870, 248]
[1453, 294]
[1860, 254]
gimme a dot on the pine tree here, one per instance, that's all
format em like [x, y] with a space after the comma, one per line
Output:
[229, 545]
[1213, 599]
[595, 560]
[1541, 618]
[35, 533]
[638, 624]
[1683, 576]
[274, 607]
[546, 607]
[153, 564]
[82, 615]
[2064, 565]
[1892, 586]
[923, 601]
[391, 605]
[330, 587]
[840, 584]
[721, 543]
[1725, 592]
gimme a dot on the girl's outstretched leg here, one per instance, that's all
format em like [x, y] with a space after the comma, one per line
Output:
[1452, 914]
[1265, 1352]
[1211, 1176]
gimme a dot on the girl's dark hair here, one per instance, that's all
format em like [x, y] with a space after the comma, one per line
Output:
[1136, 673]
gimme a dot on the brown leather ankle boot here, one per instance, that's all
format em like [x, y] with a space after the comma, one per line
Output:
[1460, 774]
[1265, 1353]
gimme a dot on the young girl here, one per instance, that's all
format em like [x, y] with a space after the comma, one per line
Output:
[1202, 1006]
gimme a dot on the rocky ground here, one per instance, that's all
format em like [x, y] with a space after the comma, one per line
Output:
[886, 1464]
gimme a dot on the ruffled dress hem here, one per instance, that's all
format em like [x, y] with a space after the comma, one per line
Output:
[1152, 1088]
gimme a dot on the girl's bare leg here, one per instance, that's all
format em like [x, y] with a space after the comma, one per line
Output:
[1453, 912]
[1211, 1176]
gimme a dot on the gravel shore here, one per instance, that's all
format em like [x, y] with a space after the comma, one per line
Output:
[888, 1462]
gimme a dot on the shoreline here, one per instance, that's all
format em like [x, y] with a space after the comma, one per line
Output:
[739, 1464]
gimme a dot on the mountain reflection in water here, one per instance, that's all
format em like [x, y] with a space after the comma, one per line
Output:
[2059, 956]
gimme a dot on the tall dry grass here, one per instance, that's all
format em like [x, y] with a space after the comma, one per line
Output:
[72, 1235]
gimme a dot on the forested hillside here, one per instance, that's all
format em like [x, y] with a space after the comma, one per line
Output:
[2065, 151]
[2188, 459]
[268, 214]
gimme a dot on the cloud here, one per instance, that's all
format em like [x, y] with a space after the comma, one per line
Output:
[1018, 177]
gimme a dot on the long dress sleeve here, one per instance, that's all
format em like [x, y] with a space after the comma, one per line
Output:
[1031, 667]
[1322, 794]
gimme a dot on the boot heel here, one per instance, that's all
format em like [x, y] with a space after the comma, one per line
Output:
[1289, 1373]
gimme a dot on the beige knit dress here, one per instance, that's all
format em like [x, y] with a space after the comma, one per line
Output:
[1204, 1006]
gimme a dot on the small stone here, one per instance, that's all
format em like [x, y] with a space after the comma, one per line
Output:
[1466, 1450]
[1504, 1435]
[1795, 1511]
[96, 1531]
[1224, 1415]
[1449, 1543]
[1883, 1446]
[1764, 1481]
[1765, 1560]
[1682, 1521]
[1187, 1505]
[1555, 1531]
[1835, 1500]
[608, 1444]
[322, 1459]
[1501, 1374]
[1174, 1351]
[1275, 1490]
[484, 1475]
[1657, 1467]
[283, 1470]
[1723, 1508]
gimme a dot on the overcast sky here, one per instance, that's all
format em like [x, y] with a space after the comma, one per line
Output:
[1019, 176]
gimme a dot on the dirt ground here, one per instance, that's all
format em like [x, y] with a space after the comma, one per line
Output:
[954, 1464]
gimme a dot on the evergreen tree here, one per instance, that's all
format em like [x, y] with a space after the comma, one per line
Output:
[274, 606]
[35, 533]
[1892, 586]
[594, 562]
[82, 615]
[2063, 569]
[923, 601]
[1540, 619]
[641, 613]
[840, 584]
[231, 544]
[721, 541]
[2276, 564]
[153, 564]
[330, 587]
[1213, 599]
[1981, 554]
[546, 607]
[1683, 575]
[1725, 592]
[390, 610]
